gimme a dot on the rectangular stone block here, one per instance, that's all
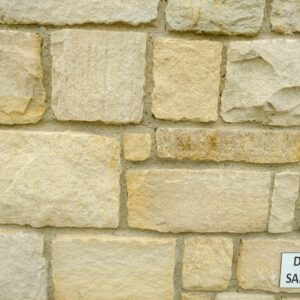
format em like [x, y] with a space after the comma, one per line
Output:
[199, 201]
[259, 263]
[242, 296]
[186, 78]
[59, 179]
[69, 12]
[137, 146]
[22, 95]
[228, 17]
[98, 75]
[23, 271]
[191, 296]
[263, 82]
[111, 268]
[255, 146]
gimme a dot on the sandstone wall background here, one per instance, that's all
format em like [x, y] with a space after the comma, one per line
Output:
[148, 149]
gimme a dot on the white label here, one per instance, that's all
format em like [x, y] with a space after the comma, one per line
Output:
[290, 270]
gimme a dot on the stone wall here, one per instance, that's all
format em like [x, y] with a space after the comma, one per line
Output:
[148, 149]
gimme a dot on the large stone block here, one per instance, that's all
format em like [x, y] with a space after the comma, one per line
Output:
[241, 296]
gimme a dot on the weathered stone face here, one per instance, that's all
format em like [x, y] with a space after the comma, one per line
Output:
[191, 296]
[200, 201]
[218, 17]
[241, 296]
[255, 146]
[113, 267]
[186, 78]
[23, 272]
[137, 146]
[106, 82]
[263, 82]
[22, 96]
[59, 179]
[69, 12]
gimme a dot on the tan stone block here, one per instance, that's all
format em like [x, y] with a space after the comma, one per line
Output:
[186, 78]
[59, 179]
[229, 17]
[98, 75]
[102, 267]
[255, 146]
[263, 82]
[241, 296]
[207, 263]
[200, 201]
[22, 96]
[191, 296]
[137, 146]
[259, 263]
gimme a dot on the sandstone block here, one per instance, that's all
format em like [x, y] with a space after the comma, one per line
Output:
[191, 296]
[22, 96]
[59, 179]
[69, 12]
[263, 82]
[255, 146]
[186, 78]
[240, 296]
[199, 201]
[113, 268]
[207, 263]
[23, 272]
[285, 195]
[259, 263]
[98, 75]
[229, 17]
[137, 146]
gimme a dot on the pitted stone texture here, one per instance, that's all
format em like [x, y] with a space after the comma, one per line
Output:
[255, 146]
[259, 263]
[199, 201]
[98, 75]
[191, 296]
[69, 12]
[137, 146]
[263, 82]
[113, 268]
[22, 96]
[59, 179]
[241, 296]
[23, 272]
[229, 17]
[285, 16]
[285, 195]
[186, 78]
[207, 263]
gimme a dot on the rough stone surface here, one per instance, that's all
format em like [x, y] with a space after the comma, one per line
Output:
[59, 179]
[22, 96]
[23, 267]
[106, 82]
[263, 82]
[68, 12]
[186, 78]
[285, 16]
[207, 263]
[255, 146]
[240, 296]
[285, 195]
[191, 296]
[113, 268]
[259, 263]
[199, 201]
[137, 146]
[218, 17]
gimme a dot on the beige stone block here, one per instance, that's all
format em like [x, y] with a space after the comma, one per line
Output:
[285, 195]
[137, 146]
[102, 267]
[23, 271]
[259, 263]
[22, 96]
[191, 296]
[186, 79]
[98, 75]
[263, 82]
[69, 12]
[241, 296]
[59, 179]
[179, 200]
[228, 17]
[207, 263]
[255, 146]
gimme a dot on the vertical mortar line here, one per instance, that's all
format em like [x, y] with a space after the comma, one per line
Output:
[270, 199]
[266, 24]
[162, 15]
[233, 283]
[296, 210]
[177, 279]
